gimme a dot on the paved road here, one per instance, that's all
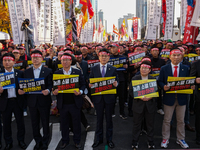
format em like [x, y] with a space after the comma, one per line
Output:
[122, 134]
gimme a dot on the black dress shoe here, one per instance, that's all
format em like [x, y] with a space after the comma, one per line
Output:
[111, 144]
[64, 145]
[97, 143]
[22, 145]
[78, 146]
[37, 146]
[8, 146]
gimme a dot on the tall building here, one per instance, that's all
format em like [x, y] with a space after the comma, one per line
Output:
[128, 16]
[100, 17]
[105, 24]
[141, 11]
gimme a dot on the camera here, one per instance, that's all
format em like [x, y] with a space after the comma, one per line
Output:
[25, 22]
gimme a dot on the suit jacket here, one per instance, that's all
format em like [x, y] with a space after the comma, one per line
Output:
[139, 105]
[169, 99]
[78, 99]
[84, 67]
[43, 101]
[110, 72]
[4, 95]
[195, 72]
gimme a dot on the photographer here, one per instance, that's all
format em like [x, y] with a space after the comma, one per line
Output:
[28, 28]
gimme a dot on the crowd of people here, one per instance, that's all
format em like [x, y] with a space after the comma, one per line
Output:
[165, 58]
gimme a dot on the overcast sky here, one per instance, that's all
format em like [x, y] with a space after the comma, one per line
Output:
[115, 9]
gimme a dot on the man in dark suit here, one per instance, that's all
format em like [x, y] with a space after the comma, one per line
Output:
[195, 72]
[69, 104]
[143, 108]
[173, 101]
[104, 102]
[39, 104]
[12, 102]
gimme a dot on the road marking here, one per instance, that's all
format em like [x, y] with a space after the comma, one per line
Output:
[32, 144]
[56, 136]
[89, 140]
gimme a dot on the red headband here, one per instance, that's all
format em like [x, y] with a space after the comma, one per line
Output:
[60, 53]
[78, 55]
[104, 53]
[181, 48]
[8, 57]
[146, 59]
[84, 48]
[99, 47]
[68, 51]
[170, 44]
[15, 51]
[146, 66]
[156, 49]
[66, 57]
[198, 48]
[175, 52]
[36, 55]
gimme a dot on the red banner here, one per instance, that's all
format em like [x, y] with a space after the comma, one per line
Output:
[79, 25]
[135, 27]
[90, 9]
[164, 10]
[190, 32]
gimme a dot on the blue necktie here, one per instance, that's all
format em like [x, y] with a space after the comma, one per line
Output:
[103, 71]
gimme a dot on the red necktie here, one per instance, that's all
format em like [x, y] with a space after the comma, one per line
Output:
[175, 71]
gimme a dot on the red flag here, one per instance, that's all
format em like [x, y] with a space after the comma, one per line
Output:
[79, 25]
[84, 2]
[190, 31]
[90, 9]
[164, 11]
[115, 30]
[69, 37]
[135, 27]
[130, 39]
[100, 27]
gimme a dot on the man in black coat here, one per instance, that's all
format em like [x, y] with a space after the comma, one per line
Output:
[104, 102]
[39, 104]
[69, 104]
[143, 108]
[12, 102]
[195, 72]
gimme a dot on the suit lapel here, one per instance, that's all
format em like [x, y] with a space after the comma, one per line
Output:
[98, 71]
[107, 71]
[170, 70]
[32, 73]
[181, 70]
[42, 72]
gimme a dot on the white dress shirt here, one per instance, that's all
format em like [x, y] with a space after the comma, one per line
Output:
[11, 92]
[101, 68]
[37, 71]
[68, 73]
[174, 69]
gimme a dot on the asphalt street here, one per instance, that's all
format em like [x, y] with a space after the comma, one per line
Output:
[122, 136]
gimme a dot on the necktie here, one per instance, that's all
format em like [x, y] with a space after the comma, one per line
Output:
[175, 71]
[103, 71]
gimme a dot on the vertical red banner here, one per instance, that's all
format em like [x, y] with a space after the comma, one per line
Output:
[190, 32]
[135, 27]
[164, 11]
